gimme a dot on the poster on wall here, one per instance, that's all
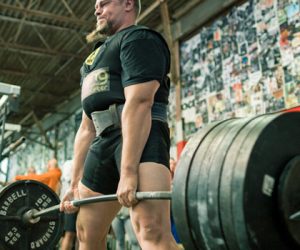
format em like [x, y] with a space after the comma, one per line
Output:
[172, 114]
[245, 63]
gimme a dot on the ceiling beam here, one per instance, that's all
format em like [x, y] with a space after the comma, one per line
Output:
[42, 131]
[17, 34]
[48, 15]
[55, 74]
[78, 32]
[42, 38]
[63, 111]
[39, 24]
[30, 74]
[69, 8]
[25, 49]
[45, 95]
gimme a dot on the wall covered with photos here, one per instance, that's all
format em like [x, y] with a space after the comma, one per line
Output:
[244, 63]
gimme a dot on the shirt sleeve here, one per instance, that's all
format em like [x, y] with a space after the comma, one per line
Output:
[143, 58]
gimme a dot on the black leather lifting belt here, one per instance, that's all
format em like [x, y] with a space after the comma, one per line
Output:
[111, 117]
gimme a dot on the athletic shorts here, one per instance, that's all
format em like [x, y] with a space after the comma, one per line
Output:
[102, 164]
[70, 222]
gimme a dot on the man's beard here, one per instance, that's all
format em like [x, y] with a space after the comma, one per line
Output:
[100, 33]
[104, 27]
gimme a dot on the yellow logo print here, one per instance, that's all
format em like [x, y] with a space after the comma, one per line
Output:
[91, 57]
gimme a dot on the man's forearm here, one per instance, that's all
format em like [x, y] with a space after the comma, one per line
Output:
[136, 125]
[82, 142]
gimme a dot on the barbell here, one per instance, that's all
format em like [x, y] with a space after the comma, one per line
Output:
[236, 186]
[23, 203]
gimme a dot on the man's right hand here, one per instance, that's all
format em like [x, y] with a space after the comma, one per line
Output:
[66, 205]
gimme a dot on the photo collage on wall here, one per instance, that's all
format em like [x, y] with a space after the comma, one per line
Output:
[244, 63]
[172, 114]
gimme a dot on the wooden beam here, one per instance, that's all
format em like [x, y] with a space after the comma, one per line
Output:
[186, 8]
[200, 15]
[165, 16]
[148, 11]
[177, 84]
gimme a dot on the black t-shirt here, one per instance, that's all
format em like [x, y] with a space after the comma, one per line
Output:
[133, 55]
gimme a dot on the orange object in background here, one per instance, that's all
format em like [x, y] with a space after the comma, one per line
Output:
[51, 178]
[180, 146]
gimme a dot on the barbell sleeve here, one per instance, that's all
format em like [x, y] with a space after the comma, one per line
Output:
[162, 195]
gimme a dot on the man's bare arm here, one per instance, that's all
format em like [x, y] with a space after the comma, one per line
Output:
[136, 125]
[84, 136]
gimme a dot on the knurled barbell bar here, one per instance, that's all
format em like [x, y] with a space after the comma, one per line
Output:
[236, 187]
[32, 215]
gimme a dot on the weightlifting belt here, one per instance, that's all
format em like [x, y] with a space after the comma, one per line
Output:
[111, 117]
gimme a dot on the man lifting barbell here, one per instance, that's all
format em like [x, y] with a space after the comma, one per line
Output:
[124, 84]
[229, 174]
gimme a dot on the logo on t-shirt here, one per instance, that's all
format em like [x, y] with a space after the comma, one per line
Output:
[91, 57]
[101, 80]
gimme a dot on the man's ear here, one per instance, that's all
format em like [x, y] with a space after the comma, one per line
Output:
[129, 5]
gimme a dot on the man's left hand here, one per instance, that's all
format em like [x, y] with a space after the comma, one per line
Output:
[127, 189]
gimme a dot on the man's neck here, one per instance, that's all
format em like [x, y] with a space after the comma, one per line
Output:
[127, 22]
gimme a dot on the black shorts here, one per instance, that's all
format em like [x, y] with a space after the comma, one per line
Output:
[102, 164]
[70, 222]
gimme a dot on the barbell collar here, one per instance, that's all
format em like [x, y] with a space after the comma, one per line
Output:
[162, 195]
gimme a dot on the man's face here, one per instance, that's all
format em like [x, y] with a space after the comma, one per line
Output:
[109, 15]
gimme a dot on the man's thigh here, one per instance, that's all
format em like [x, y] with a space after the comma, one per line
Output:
[96, 218]
[153, 177]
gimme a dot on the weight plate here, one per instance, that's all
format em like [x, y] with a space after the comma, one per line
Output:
[179, 192]
[289, 197]
[202, 240]
[15, 200]
[209, 184]
[225, 195]
[249, 196]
